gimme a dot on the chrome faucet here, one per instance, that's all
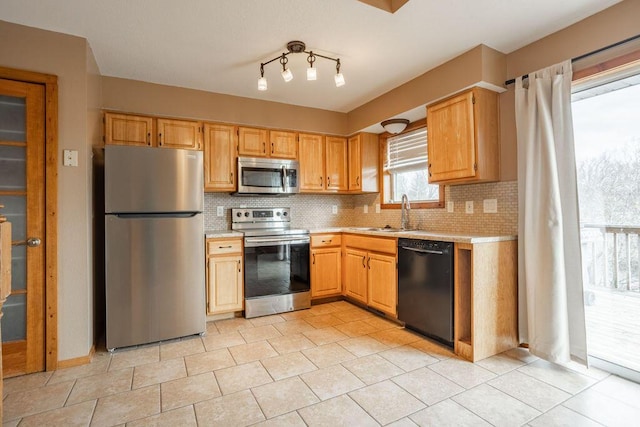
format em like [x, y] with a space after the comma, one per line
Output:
[406, 207]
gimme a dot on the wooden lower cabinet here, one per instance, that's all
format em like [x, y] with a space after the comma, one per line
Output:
[355, 274]
[485, 298]
[225, 286]
[326, 276]
[370, 273]
[382, 282]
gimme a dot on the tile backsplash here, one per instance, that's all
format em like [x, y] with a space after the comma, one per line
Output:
[314, 211]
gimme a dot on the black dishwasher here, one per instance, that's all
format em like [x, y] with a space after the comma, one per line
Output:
[425, 288]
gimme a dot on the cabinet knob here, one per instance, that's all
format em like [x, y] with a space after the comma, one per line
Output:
[272, 148]
[363, 265]
[33, 242]
[369, 263]
[159, 139]
[231, 178]
[357, 180]
[239, 265]
[264, 148]
[148, 138]
[314, 259]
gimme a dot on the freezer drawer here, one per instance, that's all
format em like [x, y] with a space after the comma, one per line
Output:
[146, 179]
[154, 279]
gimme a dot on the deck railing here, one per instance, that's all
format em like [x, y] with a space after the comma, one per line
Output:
[611, 256]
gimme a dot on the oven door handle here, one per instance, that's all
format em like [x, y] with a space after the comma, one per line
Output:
[252, 242]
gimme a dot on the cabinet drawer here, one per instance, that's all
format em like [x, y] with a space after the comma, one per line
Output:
[325, 240]
[223, 246]
[373, 244]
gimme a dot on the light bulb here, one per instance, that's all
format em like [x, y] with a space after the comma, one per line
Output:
[312, 73]
[339, 79]
[262, 83]
[287, 75]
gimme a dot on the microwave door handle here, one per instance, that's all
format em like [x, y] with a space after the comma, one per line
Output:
[284, 179]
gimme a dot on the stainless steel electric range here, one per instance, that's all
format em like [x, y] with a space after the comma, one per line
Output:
[276, 261]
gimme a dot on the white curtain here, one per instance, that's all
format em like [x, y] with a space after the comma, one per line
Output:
[551, 309]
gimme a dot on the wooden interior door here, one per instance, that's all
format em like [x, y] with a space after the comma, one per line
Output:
[22, 184]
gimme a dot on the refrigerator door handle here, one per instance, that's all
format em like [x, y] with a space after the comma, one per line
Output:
[156, 215]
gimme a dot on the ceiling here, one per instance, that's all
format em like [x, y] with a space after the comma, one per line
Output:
[218, 45]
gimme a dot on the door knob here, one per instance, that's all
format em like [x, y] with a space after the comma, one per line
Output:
[32, 242]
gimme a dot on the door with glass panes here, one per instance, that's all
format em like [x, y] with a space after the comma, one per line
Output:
[22, 195]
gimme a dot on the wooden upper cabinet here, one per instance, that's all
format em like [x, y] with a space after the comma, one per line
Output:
[185, 134]
[219, 157]
[252, 142]
[125, 129]
[463, 138]
[311, 149]
[284, 145]
[336, 168]
[363, 152]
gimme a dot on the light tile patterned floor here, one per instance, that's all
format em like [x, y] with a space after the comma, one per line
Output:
[334, 364]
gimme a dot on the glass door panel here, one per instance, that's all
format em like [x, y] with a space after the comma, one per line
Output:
[22, 146]
[607, 141]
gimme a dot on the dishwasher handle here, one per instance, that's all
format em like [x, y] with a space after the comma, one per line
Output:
[423, 251]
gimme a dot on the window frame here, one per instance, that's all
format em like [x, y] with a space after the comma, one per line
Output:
[385, 177]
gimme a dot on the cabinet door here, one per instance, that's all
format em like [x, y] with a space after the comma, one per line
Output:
[225, 287]
[179, 134]
[219, 157]
[336, 163]
[355, 274]
[382, 281]
[252, 142]
[284, 145]
[325, 272]
[311, 148]
[355, 163]
[452, 146]
[123, 129]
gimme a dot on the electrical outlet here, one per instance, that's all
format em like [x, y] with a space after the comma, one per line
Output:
[70, 158]
[365, 209]
[220, 211]
[334, 209]
[377, 207]
[449, 206]
[490, 205]
[468, 206]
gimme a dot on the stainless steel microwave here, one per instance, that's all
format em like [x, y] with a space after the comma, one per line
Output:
[267, 176]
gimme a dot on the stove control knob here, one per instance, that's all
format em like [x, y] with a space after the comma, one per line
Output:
[239, 214]
[278, 213]
[246, 214]
[284, 214]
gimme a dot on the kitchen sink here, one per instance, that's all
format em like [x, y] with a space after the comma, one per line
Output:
[385, 229]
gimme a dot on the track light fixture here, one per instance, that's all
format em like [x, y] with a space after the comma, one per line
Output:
[312, 73]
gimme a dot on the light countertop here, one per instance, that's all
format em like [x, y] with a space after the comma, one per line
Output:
[395, 233]
[418, 234]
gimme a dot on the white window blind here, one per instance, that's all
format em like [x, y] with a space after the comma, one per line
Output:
[407, 152]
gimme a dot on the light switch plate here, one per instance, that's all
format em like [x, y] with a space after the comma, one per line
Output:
[365, 208]
[334, 209]
[468, 206]
[377, 207]
[70, 158]
[490, 205]
[220, 211]
[449, 206]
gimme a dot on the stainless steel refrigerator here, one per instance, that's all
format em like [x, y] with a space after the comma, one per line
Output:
[154, 244]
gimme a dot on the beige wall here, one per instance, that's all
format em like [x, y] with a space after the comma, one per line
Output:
[480, 64]
[148, 98]
[66, 57]
[71, 60]
[616, 23]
